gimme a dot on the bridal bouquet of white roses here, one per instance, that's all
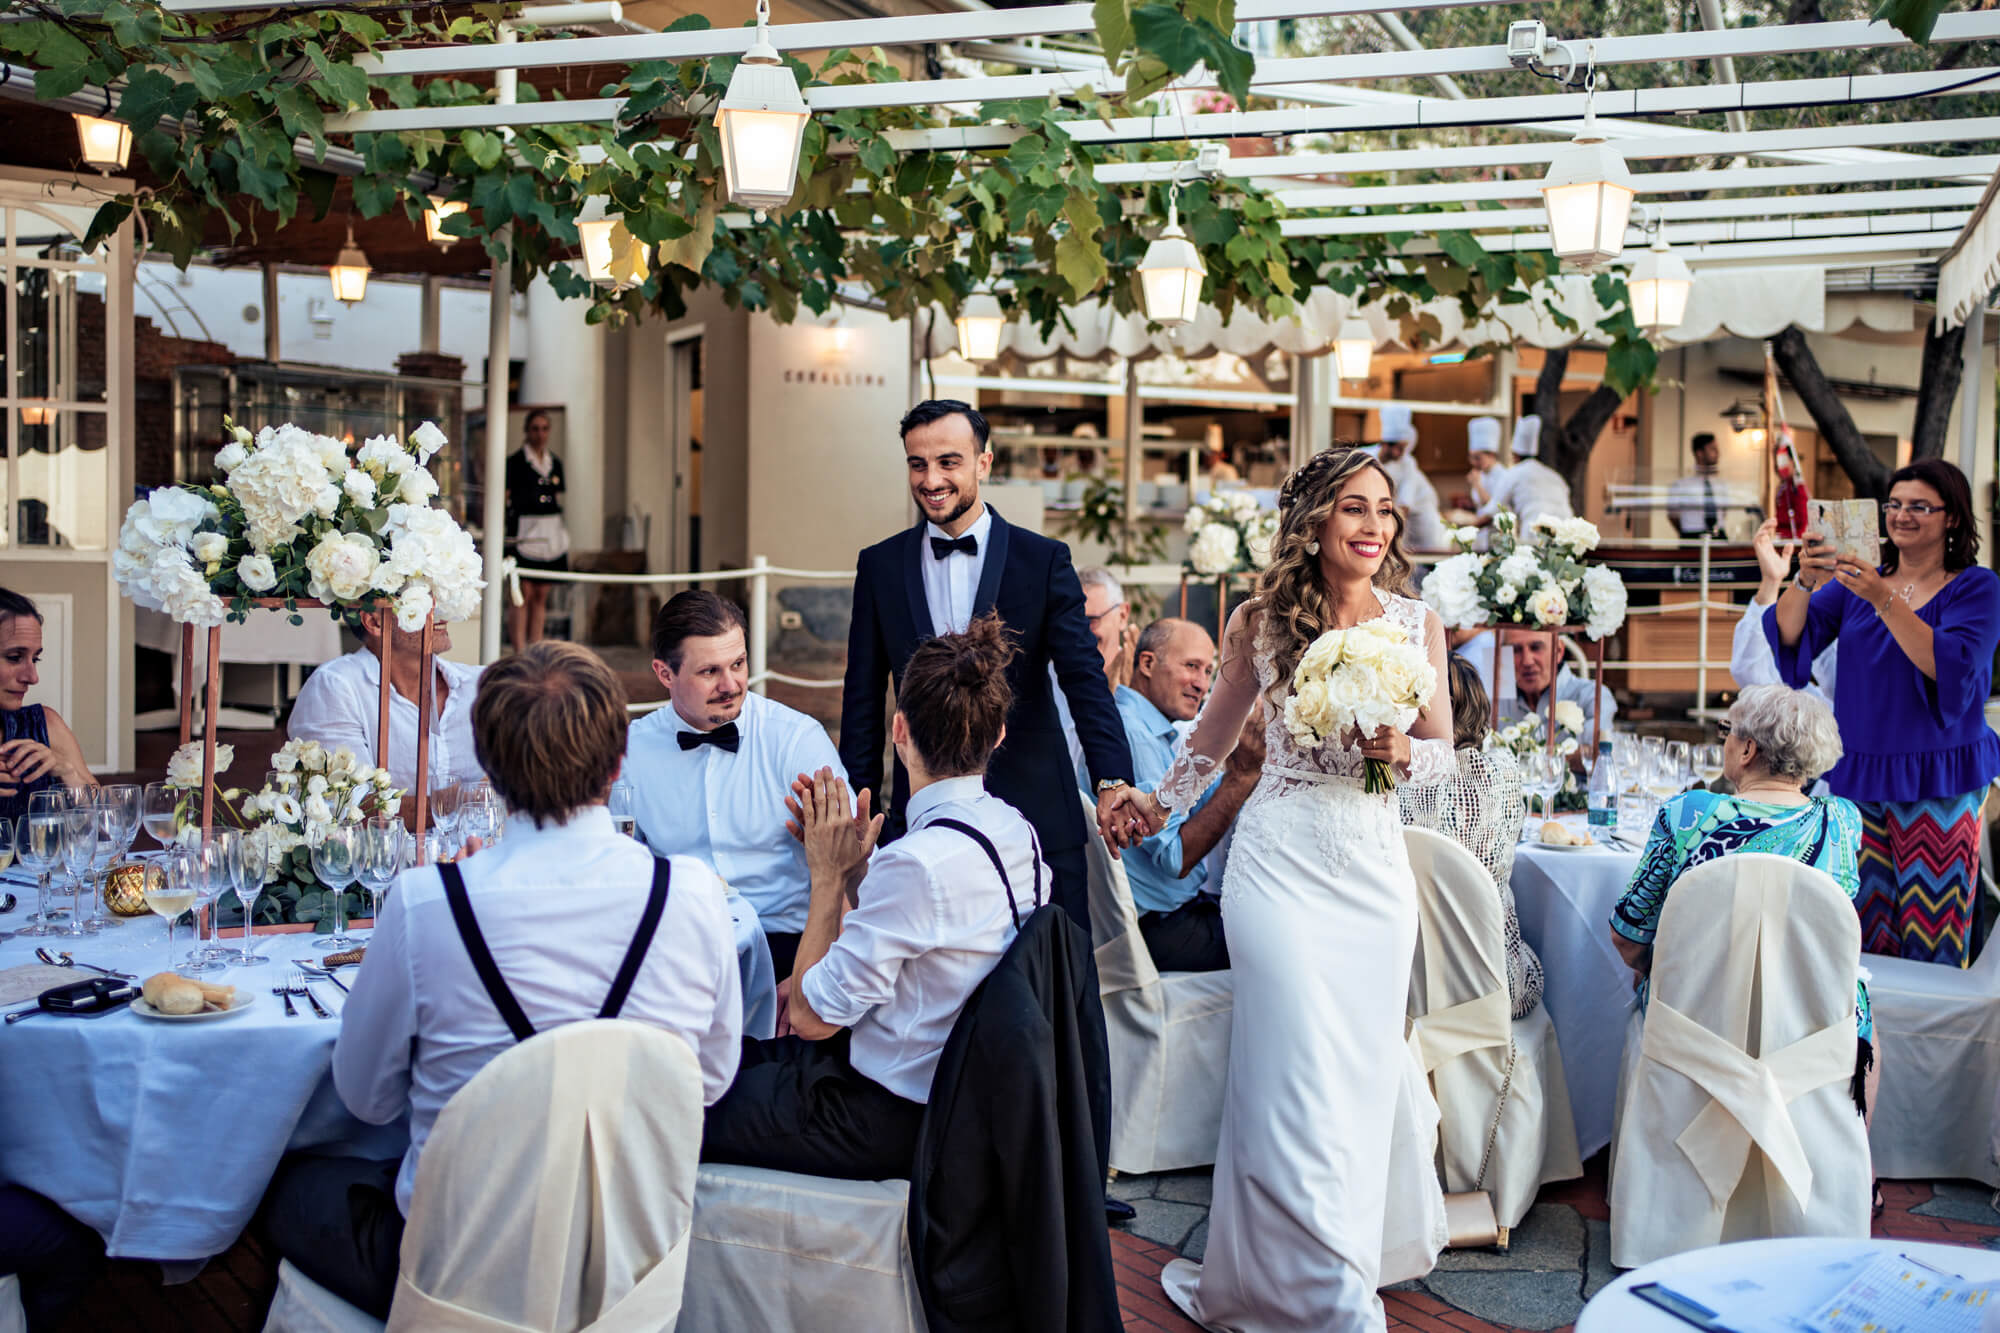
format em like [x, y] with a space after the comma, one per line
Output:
[1541, 581]
[1230, 534]
[1359, 680]
[294, 515]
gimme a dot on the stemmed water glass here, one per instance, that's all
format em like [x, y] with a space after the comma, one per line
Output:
[40, 850]
[82, 825]
[246, 878]
[172, 891]
[210, 880]
[334, 862]
[160, 813]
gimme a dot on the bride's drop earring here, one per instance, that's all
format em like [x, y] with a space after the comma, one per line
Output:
[1312, 548]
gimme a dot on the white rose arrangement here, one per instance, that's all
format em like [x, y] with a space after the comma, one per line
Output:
[294, 515]
[1525, 737]
[316, 789]
[1358, 680]
[1229, 534]
[1541, 580]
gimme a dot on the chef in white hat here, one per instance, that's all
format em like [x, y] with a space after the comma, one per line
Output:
[1423, 529]
[1530, 488]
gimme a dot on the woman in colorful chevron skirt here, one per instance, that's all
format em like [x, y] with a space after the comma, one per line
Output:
[1916, 638]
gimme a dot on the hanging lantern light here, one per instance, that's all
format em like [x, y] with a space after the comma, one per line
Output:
[1659, 287]
[1171, 274]
[350, 271]
[612, 254]
[105, 144]
[1354, 348]
[762, 123]
[980, 321]
[434, 218]
[1588, 194]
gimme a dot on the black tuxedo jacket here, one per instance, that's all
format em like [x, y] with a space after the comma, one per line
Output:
[1029, 580]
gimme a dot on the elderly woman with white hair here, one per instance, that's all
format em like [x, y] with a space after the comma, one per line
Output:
[1778, 742]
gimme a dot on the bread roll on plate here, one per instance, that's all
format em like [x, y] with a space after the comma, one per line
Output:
[1556, 835]
[171, 993]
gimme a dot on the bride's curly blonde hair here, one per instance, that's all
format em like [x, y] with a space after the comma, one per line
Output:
[1291, 601]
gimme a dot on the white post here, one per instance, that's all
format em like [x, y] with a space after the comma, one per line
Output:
[1135, 442]
[760, 621]
[493, 517]
[1971, 391]
[1701, 634]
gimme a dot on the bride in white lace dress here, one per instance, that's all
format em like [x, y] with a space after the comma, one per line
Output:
[1324, 1185]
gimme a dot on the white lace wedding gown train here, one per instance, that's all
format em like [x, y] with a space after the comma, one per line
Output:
[1324, 1184]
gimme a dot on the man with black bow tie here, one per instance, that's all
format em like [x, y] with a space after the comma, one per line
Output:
[710, 773]
[959, 561]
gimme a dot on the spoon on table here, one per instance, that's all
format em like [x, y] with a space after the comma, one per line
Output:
[64, 960]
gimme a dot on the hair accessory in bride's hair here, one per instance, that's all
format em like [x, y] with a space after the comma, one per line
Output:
[1307, 475]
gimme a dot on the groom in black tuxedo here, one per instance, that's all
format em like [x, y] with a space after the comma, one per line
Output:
[960, 561]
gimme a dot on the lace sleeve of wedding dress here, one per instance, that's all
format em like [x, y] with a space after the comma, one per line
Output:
[1215, 731]
[1431, 756]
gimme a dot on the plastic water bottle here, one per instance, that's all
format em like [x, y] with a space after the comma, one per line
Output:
[1603, 798]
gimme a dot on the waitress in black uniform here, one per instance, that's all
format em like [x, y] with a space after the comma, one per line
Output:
[536, 536]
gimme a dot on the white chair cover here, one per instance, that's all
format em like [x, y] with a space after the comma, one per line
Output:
[1937, 1034]
[1479, 1058]
[12, 1319]
[1736, 1119]
[302, 1305]
[557, 1189]
[784, 1253]
[1169, 1035]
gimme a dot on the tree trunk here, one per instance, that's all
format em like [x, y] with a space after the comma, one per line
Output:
[1566, 445]
[1937, 389]
[1801, 369]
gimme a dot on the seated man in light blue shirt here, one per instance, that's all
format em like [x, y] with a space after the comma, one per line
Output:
[1180, 915]
[711, 771]
[1532, 677]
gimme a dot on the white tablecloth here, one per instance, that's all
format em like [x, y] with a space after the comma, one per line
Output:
[162, 1136]
[1564, 899]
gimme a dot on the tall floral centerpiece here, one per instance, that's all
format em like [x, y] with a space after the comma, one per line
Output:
[1229, 535]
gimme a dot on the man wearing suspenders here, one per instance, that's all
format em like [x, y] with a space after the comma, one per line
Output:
[563, 920]
[895, 942]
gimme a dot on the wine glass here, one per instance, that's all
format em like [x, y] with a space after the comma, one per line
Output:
[161, 812]
[446, 803]
[246, 878]
[81, 824]
[39, 847]
[1544, 777]
[381, 858]
[1708, 764]
[1663, 783]
[333, 861]
[210, 877]
[1681, 755]
[123, 804]
[623, 814]
[172, 892]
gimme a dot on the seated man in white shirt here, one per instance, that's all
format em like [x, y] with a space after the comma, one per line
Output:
[710, 772]
[1529, 697]
[574, 922]
[341, 704]
[895, 942]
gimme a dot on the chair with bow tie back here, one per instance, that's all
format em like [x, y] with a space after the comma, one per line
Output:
[1736, 1119]
[1169, 1034]
[556, 1192]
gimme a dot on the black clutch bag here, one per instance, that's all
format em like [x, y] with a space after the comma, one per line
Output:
[88, 998]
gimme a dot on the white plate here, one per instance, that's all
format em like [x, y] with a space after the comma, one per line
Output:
[1566, 847]
[244, 999]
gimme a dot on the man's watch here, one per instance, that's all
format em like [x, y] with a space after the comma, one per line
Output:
[1110, 784]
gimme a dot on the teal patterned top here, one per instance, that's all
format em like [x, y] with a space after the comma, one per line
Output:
[1699, 826]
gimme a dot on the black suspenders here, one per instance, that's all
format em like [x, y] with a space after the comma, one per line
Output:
[496, 985]
[993, 855]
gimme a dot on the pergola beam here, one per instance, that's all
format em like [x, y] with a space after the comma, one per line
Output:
[1877, 202]
[1687, 239]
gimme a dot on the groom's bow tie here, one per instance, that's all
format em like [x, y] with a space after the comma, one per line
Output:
[724, 737]
[944, 546]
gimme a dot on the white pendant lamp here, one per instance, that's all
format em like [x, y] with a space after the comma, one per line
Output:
[105, 144]
[762, 123]
[1659, 286]
[350, 271]
[1171, 274]
[1588, 194]
[434, 218]
[980, 322]
[1354, 348]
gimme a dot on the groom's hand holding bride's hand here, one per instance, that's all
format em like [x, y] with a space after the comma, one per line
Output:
[1392, 747]
[1127, 816]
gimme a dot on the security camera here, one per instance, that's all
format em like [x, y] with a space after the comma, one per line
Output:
[1527, 43]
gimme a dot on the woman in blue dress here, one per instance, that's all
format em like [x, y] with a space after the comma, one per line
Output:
[1916, 665]
[1779, 741]
[37, 748]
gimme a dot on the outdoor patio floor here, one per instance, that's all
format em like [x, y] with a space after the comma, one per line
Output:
[1559, 1258]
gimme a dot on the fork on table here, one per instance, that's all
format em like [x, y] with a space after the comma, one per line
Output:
[299, 987]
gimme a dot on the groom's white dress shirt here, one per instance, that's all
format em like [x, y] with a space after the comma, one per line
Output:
[951, 584]
[728, 810]
[930, 924]
[558, 906]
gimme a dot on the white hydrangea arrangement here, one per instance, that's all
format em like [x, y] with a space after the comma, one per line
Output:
[1229, 533]
[1542, 581]
[1358, 680]
[294, 516]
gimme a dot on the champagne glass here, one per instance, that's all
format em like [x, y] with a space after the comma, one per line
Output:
[333, 861]
[39, 847]
[208, 878]
[172, 892]
[246, 877]
[623, 816]
[1708, 763]
[79, 854]
[161, 812]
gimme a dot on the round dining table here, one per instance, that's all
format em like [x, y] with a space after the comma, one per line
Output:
[163, 1135]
